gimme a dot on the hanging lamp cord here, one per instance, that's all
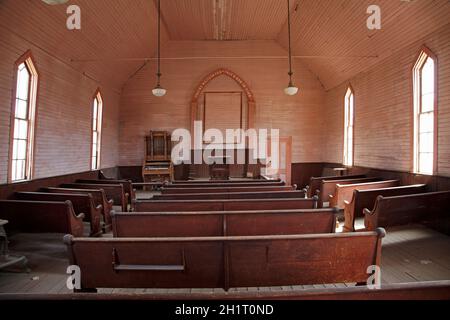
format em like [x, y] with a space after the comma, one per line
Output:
[159, 43]
[289, 34]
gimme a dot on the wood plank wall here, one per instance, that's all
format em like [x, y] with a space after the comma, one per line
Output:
[298, 116]
[383, 110]
[64, 108]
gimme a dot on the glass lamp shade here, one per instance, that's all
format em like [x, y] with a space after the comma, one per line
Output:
[291, 90]
[159, 92]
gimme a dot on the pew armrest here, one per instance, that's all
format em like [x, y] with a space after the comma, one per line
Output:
[370, 219]
[349, 215]
[125, 202]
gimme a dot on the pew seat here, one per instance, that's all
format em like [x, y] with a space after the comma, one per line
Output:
[431, 208]
[229, 223]
[42, 217]
[225, 262]
[344, 192]
[82, 203]
[223, 205]
[362, 199]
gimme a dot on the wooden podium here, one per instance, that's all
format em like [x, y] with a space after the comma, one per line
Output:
[219, 171]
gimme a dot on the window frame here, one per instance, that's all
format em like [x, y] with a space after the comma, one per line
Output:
[419, 63]
[345, 138]
[100, 101]
[32, 105]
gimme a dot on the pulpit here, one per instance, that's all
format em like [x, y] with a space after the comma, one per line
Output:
[219, 169]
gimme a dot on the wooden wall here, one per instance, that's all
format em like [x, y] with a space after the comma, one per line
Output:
[297, 116]
[64, 108]
[383, 110]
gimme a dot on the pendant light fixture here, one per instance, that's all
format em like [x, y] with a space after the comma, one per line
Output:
[159, 91]
[291, 90]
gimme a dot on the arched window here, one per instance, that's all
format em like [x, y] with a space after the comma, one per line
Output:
[425, 106]
[97, 108]
[349, 121]
[23, 119]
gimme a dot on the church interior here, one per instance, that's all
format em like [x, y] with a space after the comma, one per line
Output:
[225, 149]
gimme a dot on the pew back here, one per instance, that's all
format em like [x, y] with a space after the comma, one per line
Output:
[362, 199]
[246, 181]
[226, 185]
[430, 208]
[99, 197]
[127, 186]
[82, 203]
[112, 191]
[223, 205]
[41, 217]
[328, 187]
[231, 195]
[227, 189]
[344, 192]
[215, 224]
[225, 262]
[313, 188]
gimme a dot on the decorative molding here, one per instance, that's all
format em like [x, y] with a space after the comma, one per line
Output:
[223, 72]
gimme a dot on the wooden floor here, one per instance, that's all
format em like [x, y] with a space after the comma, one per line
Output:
[410, 254]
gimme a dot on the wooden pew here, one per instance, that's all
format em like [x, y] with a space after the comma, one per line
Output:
[344, 192]
[247, 181]
[42, 217]
[127, 186]
[223, 205]
[431, 209]
[227, 189]
[362, 199]
[113, 191]
[313, 189]
[231, 195]
[426, 290]
[99, 197]
[225, 262]
[82, 203]
[226, 185]
[328, 187]
[220, 223]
